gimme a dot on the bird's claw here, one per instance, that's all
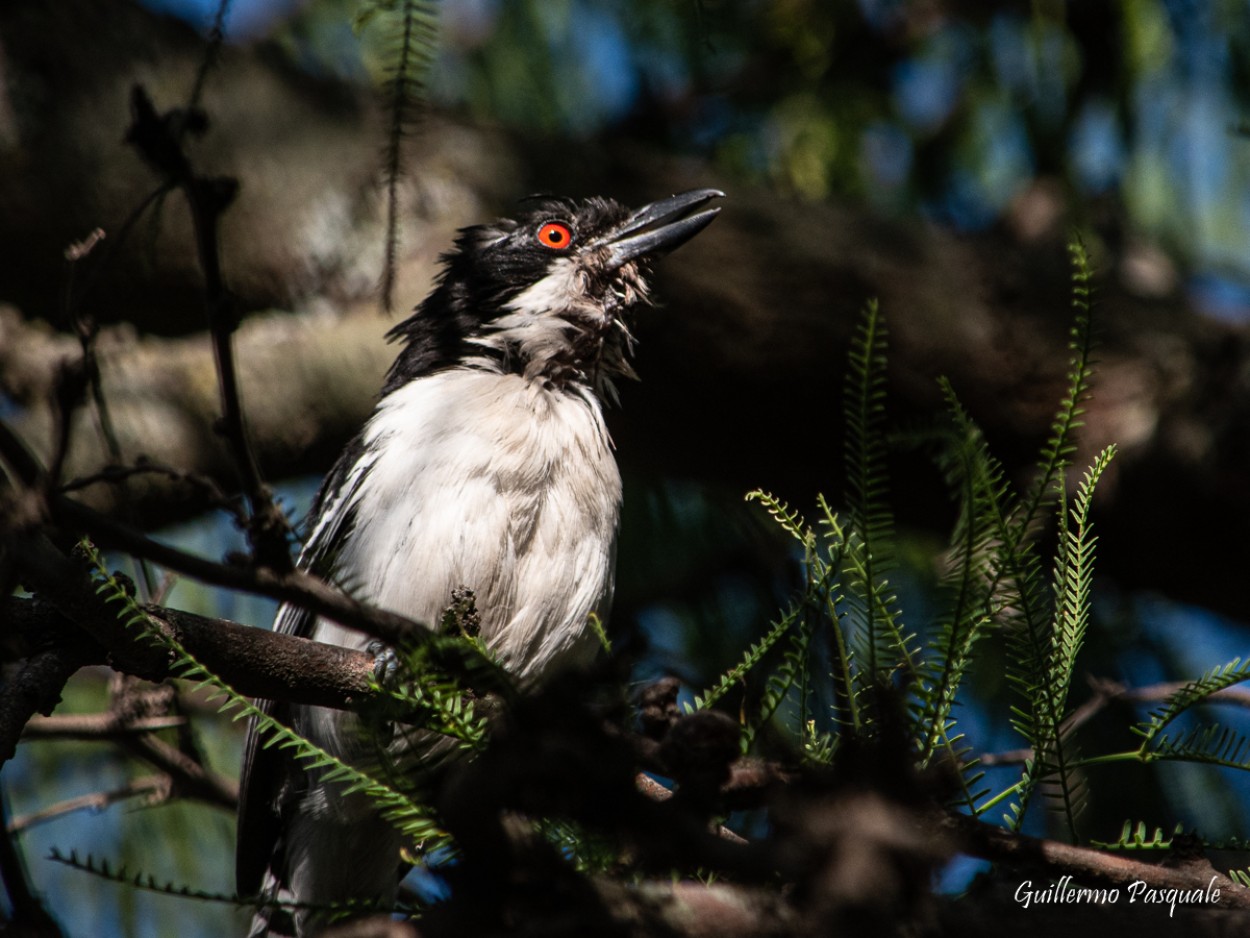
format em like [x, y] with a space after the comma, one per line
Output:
[385, 661]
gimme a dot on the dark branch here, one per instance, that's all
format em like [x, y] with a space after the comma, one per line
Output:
[36, 688]
[1019, 850]
[256, 662]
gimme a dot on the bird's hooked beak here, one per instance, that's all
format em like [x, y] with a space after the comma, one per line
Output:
[660, 227]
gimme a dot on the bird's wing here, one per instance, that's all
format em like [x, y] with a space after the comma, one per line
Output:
[266, 769]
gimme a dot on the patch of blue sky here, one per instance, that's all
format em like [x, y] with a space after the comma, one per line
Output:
[928, 86]
[1201, 48]
[214, 536]
[957, 875]
[425, 880]
[100, 907]
[886, 156]
[607, 65]
[1096, 149]
[1196, 639]
[926, 91]
[1189, 641]
[667, 72]
[1220, 296]
[883, 14]
[666, 635]
[1011, 54]
[996, 164]
[597, 78]
[1029, 59]
[94, 910]
[1198, 149]
[245, 19]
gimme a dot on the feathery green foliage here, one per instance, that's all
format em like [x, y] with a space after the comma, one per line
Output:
[995, 584]
[872, 608]
[1212, 744]
[138, 880]
[1027, 618]
[1073, 574]
[789, 675]
[1193, 693]
[410, 817]
[148, 883]
[411, 31]
[1134, 838]
[841, 641]
[736, 675]
[965, 591]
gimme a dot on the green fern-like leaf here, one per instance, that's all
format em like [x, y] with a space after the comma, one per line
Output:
[787, 519]
[791, 672]
[848, 689]
[965, 589]
[819, 747]
[1057, 452]
[1212, 744]
[870, 535]
[138, 880]
[1133, 837]
[147, 882]
[736, 676]
[426, 697]
[1074, 570]
[1192, 694]
[411, 818]
[1027, 620]
[411, 35]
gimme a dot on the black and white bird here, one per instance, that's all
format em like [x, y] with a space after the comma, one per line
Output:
[485, 464]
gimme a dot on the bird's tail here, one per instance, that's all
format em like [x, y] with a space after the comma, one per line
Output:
[273, 918]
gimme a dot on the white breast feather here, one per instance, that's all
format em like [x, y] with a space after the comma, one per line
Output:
[530, 329]
[494, 482]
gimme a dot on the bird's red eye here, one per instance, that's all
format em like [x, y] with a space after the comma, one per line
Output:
[555, 236]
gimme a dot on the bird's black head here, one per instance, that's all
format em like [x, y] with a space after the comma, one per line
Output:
[544, 294]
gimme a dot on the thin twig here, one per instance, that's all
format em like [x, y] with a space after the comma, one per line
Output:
[104, 727]
[159, 139]
[1158, 693]
[212, 53]
[118, 474]
[156, 787]
[190, 777]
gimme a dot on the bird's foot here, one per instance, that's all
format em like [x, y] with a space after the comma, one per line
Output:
[385, 661]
